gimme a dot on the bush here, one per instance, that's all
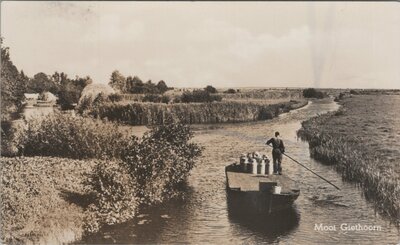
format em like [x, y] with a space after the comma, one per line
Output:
[210, 89]
[352, 91]
[230, 91]
[70, 136]
[32, 206]
[160, 162]
[313, 93]
[9, 138]
[114, 192]
[199, 96]
[156, 98]
[91, 102]
[115, 97]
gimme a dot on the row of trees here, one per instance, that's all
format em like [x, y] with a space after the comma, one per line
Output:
[313, 93]
[14, 84]
[134, 85]
[67, 90]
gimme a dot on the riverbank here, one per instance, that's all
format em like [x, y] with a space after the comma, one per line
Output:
[362, 141]
[137, 113]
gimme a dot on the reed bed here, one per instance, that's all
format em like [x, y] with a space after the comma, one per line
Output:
[192, 113]
[362, 141]
[264, 94]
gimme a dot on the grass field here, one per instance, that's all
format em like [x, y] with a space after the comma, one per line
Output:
[362, 139]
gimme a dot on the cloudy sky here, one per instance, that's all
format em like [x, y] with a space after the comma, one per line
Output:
[226, 44]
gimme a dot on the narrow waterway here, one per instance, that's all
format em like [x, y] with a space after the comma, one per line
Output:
[203, 216]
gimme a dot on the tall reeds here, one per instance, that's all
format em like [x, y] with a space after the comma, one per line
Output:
[191, 113]
[264, 94]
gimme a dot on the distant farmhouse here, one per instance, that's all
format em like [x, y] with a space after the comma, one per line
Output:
[44, 99]
[31, 99]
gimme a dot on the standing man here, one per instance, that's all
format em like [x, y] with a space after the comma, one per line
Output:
[277, 151]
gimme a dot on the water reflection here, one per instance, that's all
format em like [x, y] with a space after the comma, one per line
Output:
[268, 228]
[166, 223]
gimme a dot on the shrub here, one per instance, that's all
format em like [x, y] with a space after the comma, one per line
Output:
[91, 102]
[199, 96]
[8, 136]
[230, 91]
[156, 98]
[313, 93]
[160, 162]
[211, 89]
[115, 97]
[352, 91]
[32, 206]
[114, 191]
[165, 99]
[65, 135]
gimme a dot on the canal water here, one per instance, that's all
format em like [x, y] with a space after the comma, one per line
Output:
[202, 217]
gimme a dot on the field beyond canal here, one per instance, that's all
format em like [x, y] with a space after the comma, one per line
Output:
[362, 140]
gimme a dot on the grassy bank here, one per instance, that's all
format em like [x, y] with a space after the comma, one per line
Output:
[192, 113]
[362, 140]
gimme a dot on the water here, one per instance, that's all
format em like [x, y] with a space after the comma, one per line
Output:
[203, 216]
[35, 111]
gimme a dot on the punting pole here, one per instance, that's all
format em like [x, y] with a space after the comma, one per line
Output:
[309, 170]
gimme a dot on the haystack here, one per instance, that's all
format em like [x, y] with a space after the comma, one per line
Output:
[92, 90]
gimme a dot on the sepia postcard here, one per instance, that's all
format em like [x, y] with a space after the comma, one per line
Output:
[200, 122]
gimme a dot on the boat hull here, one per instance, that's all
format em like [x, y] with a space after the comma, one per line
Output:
[257, 202]
[245, 192]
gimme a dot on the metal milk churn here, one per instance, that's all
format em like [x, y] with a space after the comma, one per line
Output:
[270, 168]
[254, 166]
[243, 163]
[262, 167]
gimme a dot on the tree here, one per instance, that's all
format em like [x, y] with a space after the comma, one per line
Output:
[42, 83]
[12, 84]
[210, 89]
[135, 85]
[162, 86]
[313, 93]
[118, 81]
[70, 90]
[230, 91]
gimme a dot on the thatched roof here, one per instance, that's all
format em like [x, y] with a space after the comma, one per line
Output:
[31, 96]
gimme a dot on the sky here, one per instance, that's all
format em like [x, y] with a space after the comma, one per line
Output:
[224, 44]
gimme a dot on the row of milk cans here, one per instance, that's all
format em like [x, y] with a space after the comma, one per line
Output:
[256, 163]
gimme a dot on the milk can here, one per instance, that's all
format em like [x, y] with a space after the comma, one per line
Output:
[270, 168]
[249, 163]
[254, 166]
[243, 164]
[277, 190]
[261, 165]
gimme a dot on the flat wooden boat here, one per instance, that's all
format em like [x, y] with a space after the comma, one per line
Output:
[258, 193]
